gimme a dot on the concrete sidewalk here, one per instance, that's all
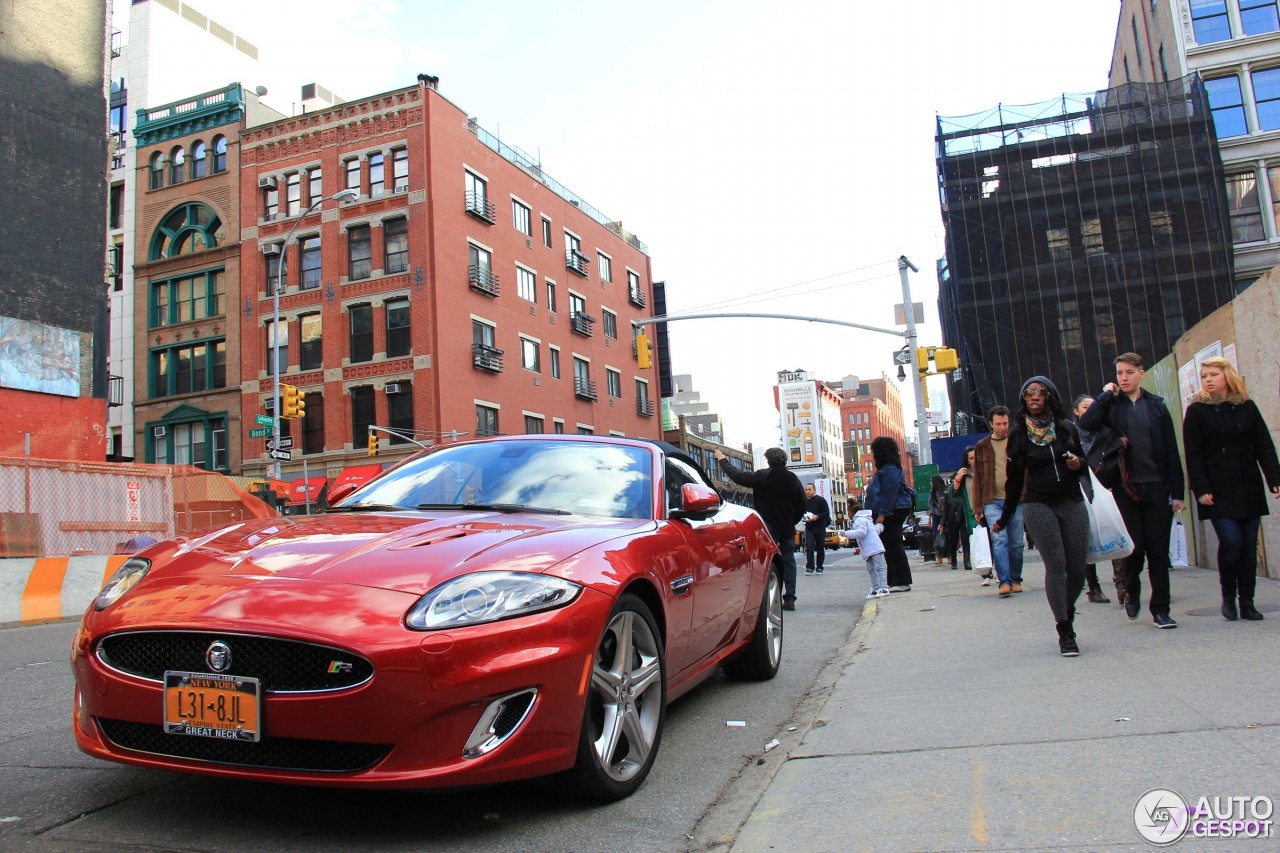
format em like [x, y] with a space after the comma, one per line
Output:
[951, 722]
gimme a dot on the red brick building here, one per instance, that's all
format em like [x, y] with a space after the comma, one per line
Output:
[869, 409]
[463, 292]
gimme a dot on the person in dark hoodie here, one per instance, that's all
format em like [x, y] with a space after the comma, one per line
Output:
[1045, 453]
[779, 499]
[1152, 486]
[1229, 452]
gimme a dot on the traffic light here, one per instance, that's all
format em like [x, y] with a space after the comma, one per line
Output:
[292, 402]
[945, 360]
[373, 444]
[922, 359]
[644, 350]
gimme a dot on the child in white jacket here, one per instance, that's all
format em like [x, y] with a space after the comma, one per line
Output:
[867, 532]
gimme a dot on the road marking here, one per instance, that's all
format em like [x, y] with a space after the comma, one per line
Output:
[978, 818]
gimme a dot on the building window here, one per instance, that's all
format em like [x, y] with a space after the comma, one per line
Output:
[400, 169]
[397, 328]
[315, 185]
[477, 196]
[310, 347]
[1164, 69]
[364, 414]
[157, 171]
[634, 293]
[219, 154]
[546, 232]
[1226, 105]
[270, 203]
[533, 424]
[1266, 95]
[610, 322]
[557, 426]
[1209, 20]
[190, 228]
[361, 333]
[555, 362]
[1091, 236]
[1242, 205]
[585, 430]
[582, 384]
[606, 266]
[310, 262]
[293, 194]
[613, 380]
[360, 252]
[182, 300]
[521, 218]
[283, 359]
[275, 272]
[1258, 16]
[486, 420]
[1128, 77]
[313, 424]
[527, 284]
[353, 174]
[395, 238]
[199, 155]
[377, 177]
[400, 411]
[117, 267]
[482, 334]
[643, 405]
[530, 355]
[188, 368]
[1137, 47]
[551, 296]
[177, 165]
[115, 207]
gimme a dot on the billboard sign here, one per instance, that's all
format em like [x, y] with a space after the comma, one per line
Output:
[800, 426]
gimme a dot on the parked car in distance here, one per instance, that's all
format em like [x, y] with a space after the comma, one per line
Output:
[914, 529]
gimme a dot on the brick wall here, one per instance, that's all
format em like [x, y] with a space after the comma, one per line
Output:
[60, 427]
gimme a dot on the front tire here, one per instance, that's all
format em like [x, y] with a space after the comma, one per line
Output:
[762, 657]
[626, 706]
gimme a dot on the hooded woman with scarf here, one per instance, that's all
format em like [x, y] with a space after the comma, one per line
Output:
[1227, 442]
[1045, 453]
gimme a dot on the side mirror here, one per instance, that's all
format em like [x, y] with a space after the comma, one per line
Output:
[340, 492]
[699, 502]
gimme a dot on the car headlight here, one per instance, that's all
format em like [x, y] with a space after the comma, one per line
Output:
[133, 570]
[487, 597]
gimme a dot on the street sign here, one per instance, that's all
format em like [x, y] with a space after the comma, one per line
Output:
[264, 420]
[260, 432]
[282, 455]
[284, 443]
[902, 356]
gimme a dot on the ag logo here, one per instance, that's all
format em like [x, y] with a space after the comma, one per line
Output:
[1161, 816]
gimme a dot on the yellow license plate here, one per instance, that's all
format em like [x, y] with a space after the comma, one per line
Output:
[206, 705]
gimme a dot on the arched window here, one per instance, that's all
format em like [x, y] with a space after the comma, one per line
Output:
[177, 167]
[219, 154]
[198, 152]
[190, 228]
[157, 170]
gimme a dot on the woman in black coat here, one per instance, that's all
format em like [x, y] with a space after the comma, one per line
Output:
[1226, 442]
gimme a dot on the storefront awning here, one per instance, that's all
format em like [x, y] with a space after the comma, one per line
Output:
[307, 490]
[358, 474]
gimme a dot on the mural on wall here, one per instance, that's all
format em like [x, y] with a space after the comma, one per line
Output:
[36, 357]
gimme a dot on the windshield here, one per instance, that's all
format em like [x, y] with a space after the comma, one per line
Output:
[568, 476]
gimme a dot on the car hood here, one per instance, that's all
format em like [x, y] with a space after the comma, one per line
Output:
[408, 552]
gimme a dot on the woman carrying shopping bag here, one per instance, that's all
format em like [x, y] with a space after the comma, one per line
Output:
[962, 490]
[1227, 442]
[1045, 453]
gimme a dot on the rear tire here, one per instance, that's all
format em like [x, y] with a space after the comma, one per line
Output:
[626, 706]
[762, 657]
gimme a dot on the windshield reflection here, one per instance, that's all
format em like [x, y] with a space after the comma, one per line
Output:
[578, 477]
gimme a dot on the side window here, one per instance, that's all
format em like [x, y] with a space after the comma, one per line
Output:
[677, 474]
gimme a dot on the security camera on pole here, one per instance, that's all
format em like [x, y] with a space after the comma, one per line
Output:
[276, 414]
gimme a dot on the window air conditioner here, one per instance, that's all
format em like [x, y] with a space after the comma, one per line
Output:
[158, 432]
[393, 387]
[267, 182]
[270, 248]
[402, 186]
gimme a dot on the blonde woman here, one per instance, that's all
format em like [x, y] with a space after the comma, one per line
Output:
[1229, 451]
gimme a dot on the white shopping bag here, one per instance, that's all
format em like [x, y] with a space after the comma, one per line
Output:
[1178, 544]
[1109, 539]
[980, 548]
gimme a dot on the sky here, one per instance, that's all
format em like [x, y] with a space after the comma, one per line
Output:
[774, 157]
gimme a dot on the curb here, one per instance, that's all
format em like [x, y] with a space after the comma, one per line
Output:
[717, 829]
[34, 590]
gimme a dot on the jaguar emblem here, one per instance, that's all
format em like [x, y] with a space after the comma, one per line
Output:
[218, 656]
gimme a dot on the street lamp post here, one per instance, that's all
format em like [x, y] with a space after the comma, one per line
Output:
[922, 420]
[344, 195]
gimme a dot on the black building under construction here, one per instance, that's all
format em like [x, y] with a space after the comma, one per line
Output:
[1077, 230]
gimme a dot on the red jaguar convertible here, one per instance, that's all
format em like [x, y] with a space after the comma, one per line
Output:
[482, 612]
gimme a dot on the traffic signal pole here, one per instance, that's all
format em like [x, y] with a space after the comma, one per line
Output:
[922, 418]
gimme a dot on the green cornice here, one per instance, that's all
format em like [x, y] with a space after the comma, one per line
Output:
[212, 109]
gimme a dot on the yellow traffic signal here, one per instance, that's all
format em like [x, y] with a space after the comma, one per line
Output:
[292, 402]
[946, 360]
[922, 359]
[644, 350]
[373, 444]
